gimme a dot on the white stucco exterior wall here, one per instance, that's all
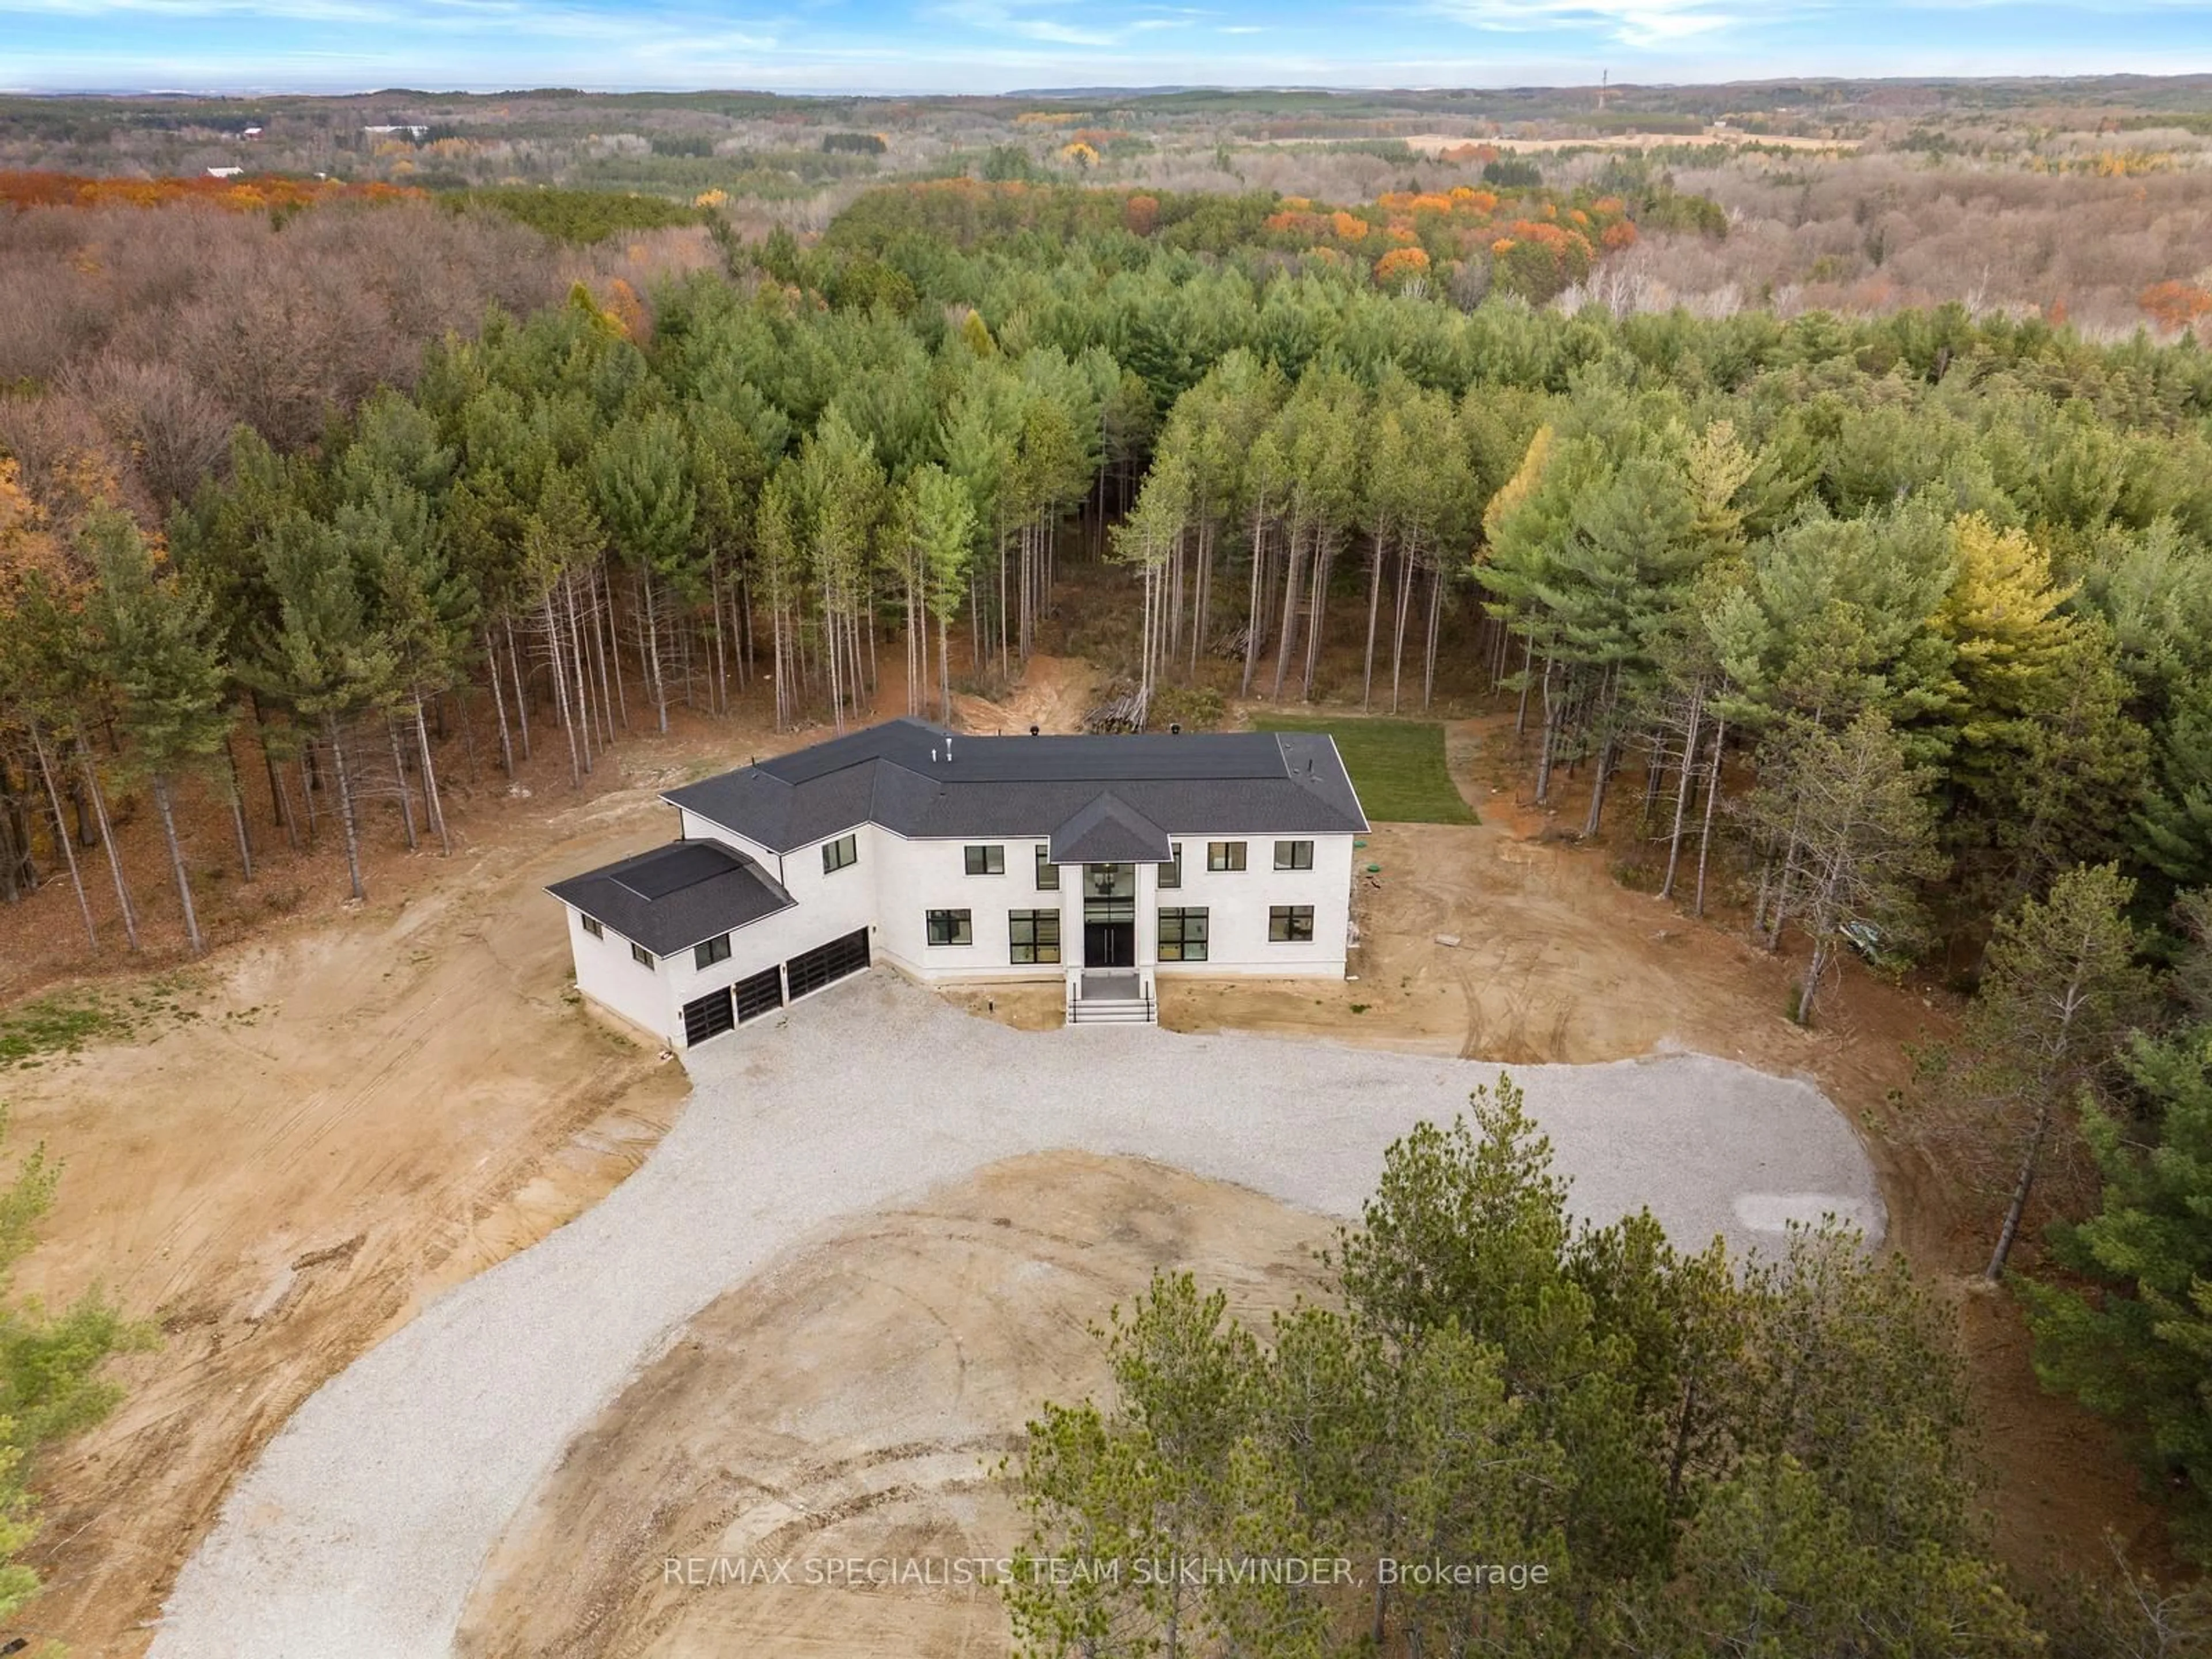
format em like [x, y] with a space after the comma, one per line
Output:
[1237, 902]
[896, 882]
[608, 974]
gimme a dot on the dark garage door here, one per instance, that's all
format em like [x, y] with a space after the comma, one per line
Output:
[825, 964]
[708, 1016]
[760, 994]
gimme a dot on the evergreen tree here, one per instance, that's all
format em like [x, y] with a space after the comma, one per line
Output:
[2174, 827]
[643, 493]
[2138, 1347]
[2062, 988]
[322, 656]
[157, 644]
[941, 518]
[1850, 833]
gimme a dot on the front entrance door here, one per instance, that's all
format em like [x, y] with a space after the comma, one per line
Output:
[1110, 944]
[1110, 915]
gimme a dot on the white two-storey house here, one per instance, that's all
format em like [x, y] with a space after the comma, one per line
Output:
[1103, 863]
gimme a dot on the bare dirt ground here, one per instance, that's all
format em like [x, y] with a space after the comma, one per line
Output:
[852, 1404]
[1054, 694]
[364, 1113]
[358, 1107]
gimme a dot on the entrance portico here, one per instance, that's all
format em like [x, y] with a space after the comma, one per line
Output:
[1110, 915]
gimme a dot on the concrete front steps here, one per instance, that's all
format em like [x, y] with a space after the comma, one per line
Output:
[1111, 996]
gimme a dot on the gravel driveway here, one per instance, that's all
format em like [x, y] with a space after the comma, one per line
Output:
[360, 1531]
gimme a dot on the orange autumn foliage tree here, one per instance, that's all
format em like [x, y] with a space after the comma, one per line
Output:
[29, 190]
[1400, 265]
[2175, 305]
[1141, 214]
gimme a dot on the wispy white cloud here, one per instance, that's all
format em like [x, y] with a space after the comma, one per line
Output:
[1641, 23]
[1025, 20]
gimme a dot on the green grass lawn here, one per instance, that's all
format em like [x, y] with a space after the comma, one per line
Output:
[1397, 766]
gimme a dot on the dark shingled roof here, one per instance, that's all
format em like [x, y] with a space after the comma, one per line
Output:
[670, 899]
[919, 782]
[1109, 832]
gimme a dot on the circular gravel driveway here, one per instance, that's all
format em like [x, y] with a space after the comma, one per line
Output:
[359, 1532]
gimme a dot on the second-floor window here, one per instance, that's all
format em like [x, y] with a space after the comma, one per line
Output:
[1294, 855]
[838, 853]
[1171, 872]
[709, 952]
[1048, 873]
[1224, 855]
[986, 860]
[638, 953]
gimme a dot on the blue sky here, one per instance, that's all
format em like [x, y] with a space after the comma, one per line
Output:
[995, 45]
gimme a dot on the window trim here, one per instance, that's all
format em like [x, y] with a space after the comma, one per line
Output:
[1288, 917]
[592, 925]
[1225, 857]
[1170, 876]
[1039, 922]
[1287, 854]
[708, 951]
[984, 853]
[643, 957]
[1184, 915]
[961, 922]
[848, 844]
[1044, 863]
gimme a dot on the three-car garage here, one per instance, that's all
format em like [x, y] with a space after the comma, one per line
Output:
[772, 988]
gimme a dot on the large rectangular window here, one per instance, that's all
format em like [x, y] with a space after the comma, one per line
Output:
[1048, 873]
[838, 853]
[986, 860]
[1171, 872]
[639, 953]
[593, 927]
[1290, 924]
[1033, 935]
[951, 927]
[1110, 881]
[1224, 855]
[713, 950]
[1183, 935]
[1294, 855]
